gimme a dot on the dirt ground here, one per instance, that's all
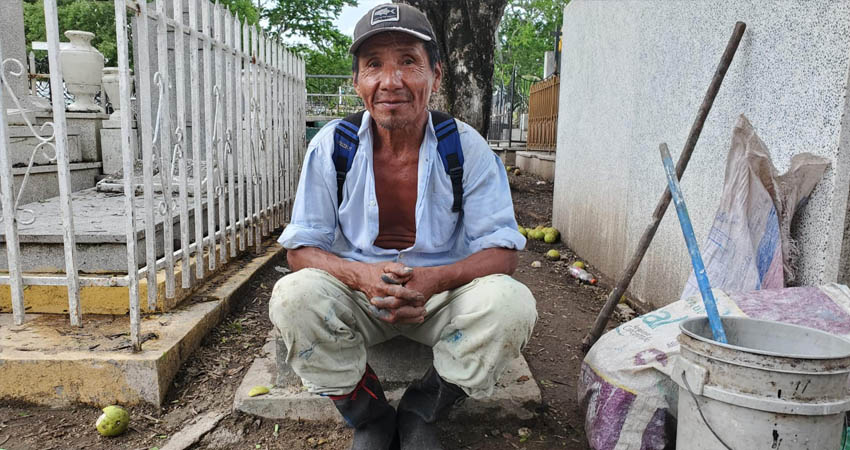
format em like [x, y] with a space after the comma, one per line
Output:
[207, 382]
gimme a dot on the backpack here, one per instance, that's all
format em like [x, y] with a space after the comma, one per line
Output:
[448, 146]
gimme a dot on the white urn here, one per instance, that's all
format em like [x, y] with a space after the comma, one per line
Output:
[111, 86]
[82, 66]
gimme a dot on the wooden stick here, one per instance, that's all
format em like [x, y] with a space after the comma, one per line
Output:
[661, 208]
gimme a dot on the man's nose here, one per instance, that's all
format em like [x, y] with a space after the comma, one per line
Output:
[391, 77]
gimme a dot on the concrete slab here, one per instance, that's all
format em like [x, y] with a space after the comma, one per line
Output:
[22, 142]
[46, 361]
[539, 163]
[100, 233]
[43, 182]
[516, 395]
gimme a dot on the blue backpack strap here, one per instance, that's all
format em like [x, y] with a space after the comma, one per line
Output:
[346, 142]
[451, 153]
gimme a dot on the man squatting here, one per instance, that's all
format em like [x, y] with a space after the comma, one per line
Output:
[392, 258]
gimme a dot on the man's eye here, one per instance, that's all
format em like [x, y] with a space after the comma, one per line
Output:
[408, 62]
[374, 64]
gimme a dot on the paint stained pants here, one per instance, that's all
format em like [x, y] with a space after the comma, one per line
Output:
[474, 330]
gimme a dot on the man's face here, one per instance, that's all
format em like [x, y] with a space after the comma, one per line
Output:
[395, 79]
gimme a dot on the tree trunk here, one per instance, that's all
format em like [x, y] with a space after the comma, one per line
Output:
[466, 36]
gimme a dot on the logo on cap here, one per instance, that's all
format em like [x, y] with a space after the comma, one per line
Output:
[388, 13]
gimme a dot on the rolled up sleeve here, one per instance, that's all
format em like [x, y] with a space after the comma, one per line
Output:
[488, 211]
[314, 214]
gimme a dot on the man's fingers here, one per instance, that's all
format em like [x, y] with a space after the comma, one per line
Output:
[408, 295]
[395, 302]
[405, 314]
[387, 278]
[400, 271]
[393, 310]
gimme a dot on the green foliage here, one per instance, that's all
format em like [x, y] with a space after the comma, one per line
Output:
[96, 16]
[310, 19]
[331, 60]
[245, 9]
[524, 35]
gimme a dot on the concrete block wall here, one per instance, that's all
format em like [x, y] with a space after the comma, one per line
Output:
[634, 74]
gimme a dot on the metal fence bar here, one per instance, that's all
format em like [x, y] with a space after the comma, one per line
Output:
[293, 151]
[144, 100]
[264, 148]
[275, 128]
[271, 145]
[278, 163]
[210, 95]
[222, 126]
[63, 170]
[7, 184]
[302, 109]
[241, 136]
[256, 218]
[179, 147]
[248, 155]
[164, 144]
[287, 120]
[128, 161]
[231, 83]
[287, 77]
[197, 213]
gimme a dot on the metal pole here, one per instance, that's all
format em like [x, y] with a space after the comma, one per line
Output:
[693, 248]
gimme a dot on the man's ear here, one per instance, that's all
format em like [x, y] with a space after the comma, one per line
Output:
[438, 77]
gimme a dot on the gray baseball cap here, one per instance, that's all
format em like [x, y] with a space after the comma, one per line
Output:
[392, 17]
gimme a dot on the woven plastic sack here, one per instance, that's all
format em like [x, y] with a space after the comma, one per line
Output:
[749, 245]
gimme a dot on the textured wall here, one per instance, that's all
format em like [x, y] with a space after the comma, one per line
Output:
[634, 74]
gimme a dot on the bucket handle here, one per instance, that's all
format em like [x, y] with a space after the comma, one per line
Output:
[699, 409]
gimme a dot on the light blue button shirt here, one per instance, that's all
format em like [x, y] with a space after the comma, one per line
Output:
[442, 236]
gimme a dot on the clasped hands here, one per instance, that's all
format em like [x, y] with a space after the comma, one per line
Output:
[397, 293]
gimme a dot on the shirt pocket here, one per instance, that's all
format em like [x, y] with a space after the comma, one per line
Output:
[442, 222]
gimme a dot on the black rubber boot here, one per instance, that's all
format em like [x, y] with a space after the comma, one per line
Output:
[423, 403]
[367, 411]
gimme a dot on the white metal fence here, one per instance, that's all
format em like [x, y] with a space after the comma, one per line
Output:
[246, 96]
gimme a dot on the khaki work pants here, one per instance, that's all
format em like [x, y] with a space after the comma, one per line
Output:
[474, 330]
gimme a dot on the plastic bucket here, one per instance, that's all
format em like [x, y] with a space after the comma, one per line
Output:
[774, 386]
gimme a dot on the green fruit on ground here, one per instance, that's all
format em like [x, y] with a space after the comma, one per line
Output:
[553, 254]
[550, 238]
[258, 390]
[522, 231]
[508, 168]
[538, 235]
[113, 422]
[578, 264]
[548, 230]
[538, 227]
[517, 172]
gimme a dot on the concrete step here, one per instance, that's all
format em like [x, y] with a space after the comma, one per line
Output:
[540, 163]
[43, 182]
[22, 147]
[397, 362]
